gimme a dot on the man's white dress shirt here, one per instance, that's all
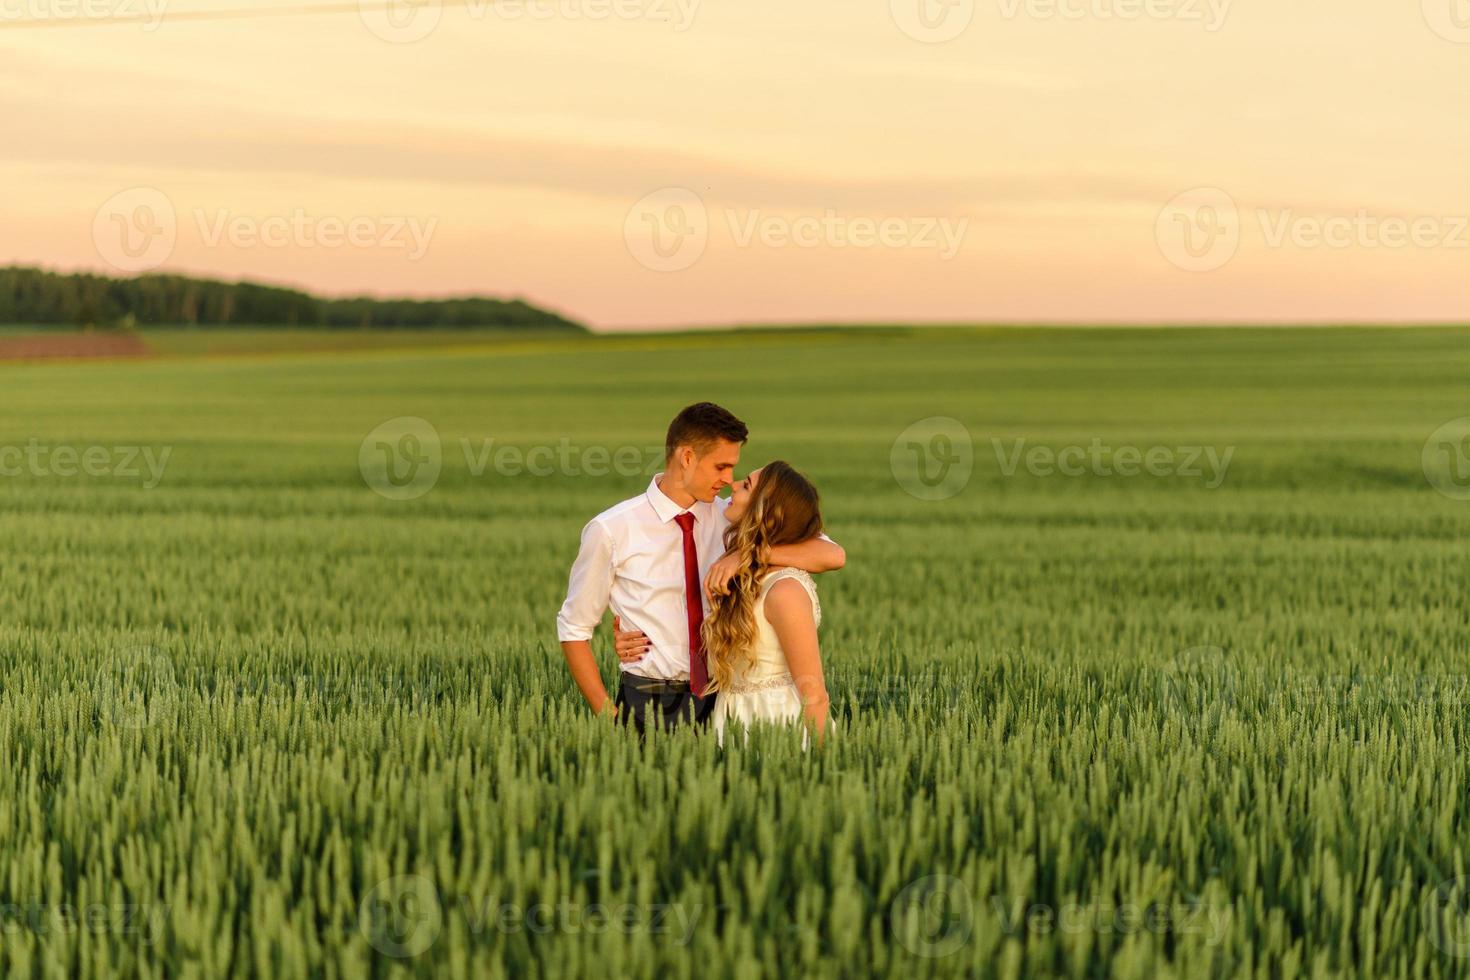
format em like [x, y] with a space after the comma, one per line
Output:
[632, 558]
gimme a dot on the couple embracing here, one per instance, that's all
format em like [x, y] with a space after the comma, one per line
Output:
[713, 602]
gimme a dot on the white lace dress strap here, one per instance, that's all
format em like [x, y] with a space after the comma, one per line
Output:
[800, 575]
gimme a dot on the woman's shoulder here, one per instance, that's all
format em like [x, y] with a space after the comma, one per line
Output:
[802, 580]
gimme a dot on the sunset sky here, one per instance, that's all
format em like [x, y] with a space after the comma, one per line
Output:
[654, 163]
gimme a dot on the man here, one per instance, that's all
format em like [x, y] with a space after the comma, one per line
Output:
[647, 557]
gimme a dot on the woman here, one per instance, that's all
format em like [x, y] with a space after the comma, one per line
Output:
[760, 637]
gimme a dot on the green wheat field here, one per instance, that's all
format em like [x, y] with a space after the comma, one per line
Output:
[1151, 658]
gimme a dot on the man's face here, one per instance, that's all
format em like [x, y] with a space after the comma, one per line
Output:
[705, 476]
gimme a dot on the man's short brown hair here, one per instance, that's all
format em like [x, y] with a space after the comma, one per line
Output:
[701, 426]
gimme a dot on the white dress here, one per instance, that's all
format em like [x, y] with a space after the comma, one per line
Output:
[765, 691]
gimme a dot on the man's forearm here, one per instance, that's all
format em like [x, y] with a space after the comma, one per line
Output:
[816, 555]
[584, 671]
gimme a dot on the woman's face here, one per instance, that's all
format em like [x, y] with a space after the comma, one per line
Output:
[740, 495]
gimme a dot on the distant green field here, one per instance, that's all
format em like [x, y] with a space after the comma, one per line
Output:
[1203, 717]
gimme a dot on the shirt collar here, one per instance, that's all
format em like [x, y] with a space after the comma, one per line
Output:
[665, 508]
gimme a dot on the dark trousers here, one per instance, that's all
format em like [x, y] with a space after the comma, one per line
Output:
[644, 699]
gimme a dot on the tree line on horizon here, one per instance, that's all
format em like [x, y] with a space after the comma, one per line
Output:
[36, 297]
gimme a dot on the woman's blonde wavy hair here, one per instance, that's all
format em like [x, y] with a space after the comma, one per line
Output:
[783, 509]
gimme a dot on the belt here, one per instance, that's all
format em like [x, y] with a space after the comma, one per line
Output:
[657, 685]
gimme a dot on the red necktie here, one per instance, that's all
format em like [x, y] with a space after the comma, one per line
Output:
[694, 601]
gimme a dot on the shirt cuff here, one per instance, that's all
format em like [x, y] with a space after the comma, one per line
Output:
[571, 633]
